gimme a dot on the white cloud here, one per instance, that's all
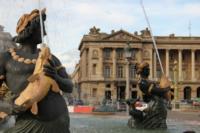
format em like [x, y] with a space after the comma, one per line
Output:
[68, 20]
[104, 13]
[69, 59]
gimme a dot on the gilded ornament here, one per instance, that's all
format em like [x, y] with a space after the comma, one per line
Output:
[21, 59]
[27, 61]
[33, 61]
[16, 57]
[13, 54]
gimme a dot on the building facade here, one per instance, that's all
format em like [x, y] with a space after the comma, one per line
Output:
[5, 40]
[103, 68]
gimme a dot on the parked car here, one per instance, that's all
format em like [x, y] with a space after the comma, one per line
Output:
[78, 102]
[186, 101]
[196, 102]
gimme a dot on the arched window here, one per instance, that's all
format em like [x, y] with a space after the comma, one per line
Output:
[187, 93]
[198, 92]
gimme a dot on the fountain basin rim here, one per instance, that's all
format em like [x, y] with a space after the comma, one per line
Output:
[103, 113]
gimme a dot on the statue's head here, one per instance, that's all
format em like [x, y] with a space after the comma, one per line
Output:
[28, 28]
[143, 69]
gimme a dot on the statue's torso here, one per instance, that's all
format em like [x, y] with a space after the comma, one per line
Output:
[144, 87]
[17, 74]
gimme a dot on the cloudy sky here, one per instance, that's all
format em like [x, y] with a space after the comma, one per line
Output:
[69, 20]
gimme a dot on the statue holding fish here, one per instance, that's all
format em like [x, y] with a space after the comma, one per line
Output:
[35, 79]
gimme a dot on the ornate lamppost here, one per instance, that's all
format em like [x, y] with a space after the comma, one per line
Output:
[127, 50]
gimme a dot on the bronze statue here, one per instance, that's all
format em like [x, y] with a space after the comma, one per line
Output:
[17, 65]
[150, 110]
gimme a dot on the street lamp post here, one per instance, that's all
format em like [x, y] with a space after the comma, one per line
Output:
[128, 56]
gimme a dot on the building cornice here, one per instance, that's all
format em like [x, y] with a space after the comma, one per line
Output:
[123, 36]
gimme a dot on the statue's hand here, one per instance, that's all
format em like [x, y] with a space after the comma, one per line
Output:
[18, 109]
[50, 70]
[3, 115]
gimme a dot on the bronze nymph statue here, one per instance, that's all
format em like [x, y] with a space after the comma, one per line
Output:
[17, 65]
[150, 110]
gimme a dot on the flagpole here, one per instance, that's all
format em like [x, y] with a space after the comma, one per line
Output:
[152, 37]
[41, 24]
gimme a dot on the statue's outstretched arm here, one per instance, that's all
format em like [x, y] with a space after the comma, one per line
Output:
[151, 88]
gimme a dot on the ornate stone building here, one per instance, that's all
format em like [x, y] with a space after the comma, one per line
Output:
[5, 40]
[102, 69]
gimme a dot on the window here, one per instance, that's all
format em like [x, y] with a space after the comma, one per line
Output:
[171, 56]
[197, 56]
[94, 92]
[133, 94]
[198, 92]
[107, 72]
[108, 95]
[171, 74]
[187, 93]
[132, 71]
[183, 57]
[120, 72]
[108, 86]
[133, 54]
[94, 67]
[159, 73]
[120, 53]
[107, 53]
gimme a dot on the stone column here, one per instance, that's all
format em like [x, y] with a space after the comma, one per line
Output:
[100, 63]
[151, 64]
[127, 84]
[167, 62]
[180, 78]
[140, 55]
[193, 64]
[90, 69]
[127, 80]
[155, 64]
[114, 64]
[113, 92]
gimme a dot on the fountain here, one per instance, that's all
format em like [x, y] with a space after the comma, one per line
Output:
[105, 108]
